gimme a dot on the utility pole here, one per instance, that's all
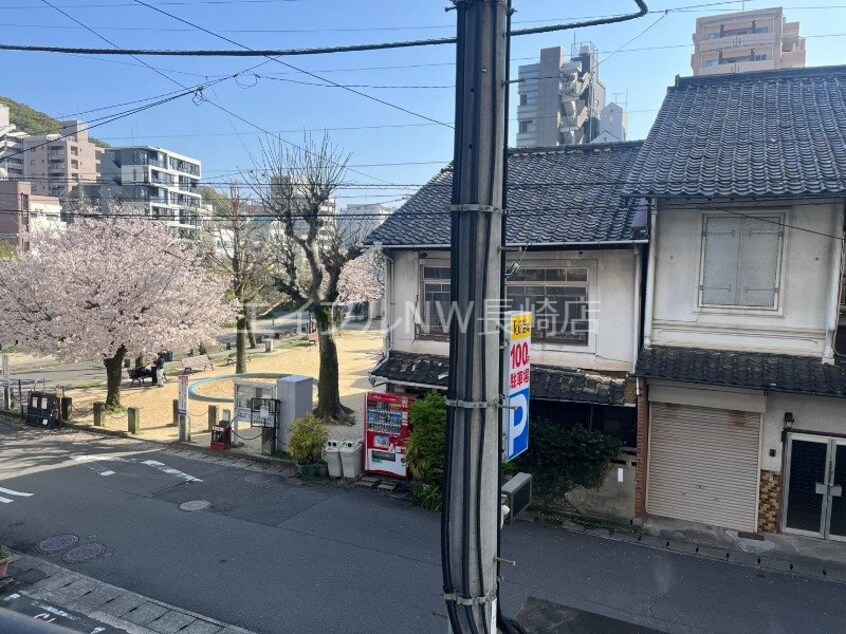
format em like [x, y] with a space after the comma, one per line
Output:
[471, 507]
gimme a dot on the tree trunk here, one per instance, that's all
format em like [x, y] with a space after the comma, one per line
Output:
[329, 407]
[114, 375]
[241, 343]
[250, 334]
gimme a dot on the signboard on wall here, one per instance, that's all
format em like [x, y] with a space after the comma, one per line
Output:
[517, 377]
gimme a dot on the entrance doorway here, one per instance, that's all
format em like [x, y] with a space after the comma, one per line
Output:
[816, 477]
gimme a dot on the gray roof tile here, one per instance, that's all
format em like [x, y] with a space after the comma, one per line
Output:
[559, 384]
[555, 196]
[776, 133]
[753, 370]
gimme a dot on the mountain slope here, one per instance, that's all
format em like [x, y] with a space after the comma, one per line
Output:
[34, 122]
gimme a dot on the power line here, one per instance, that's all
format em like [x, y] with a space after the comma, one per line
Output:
[244, 51]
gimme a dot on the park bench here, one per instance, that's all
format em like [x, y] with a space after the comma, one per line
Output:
[195, 364]
[137, 375]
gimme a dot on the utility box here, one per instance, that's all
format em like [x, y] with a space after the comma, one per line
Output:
[517, 495]
[296, 396]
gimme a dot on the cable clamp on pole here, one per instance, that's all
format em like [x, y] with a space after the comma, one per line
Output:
[478, 600]
[488, 209]
[451, 402]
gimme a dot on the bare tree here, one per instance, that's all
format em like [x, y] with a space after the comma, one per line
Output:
[239, 252]
[297, 186]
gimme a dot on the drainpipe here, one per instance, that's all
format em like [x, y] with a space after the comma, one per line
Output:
[833, 316]
[638, 272]
[650, 276]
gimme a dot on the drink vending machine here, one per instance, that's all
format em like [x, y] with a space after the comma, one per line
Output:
[386, 431]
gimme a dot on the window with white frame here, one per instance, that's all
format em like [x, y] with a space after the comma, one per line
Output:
[435, 301]
[741, 260]
[558, 299]
[556, 295]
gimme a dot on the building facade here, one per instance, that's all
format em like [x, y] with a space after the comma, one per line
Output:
[11, 146]
[562, 100]
[575, 262]
[746, 41]
[153, 182]
[57, 163]
[743, 422]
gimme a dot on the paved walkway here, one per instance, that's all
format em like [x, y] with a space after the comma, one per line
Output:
[76, 599]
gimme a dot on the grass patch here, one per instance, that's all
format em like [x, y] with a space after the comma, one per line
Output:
[114, 411]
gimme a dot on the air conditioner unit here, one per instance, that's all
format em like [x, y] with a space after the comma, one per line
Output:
[517, 495]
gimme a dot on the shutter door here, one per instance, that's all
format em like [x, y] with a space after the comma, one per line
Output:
[703, 465]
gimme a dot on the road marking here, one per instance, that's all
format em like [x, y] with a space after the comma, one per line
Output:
[17, 493]
[171, 471]
[107, 473]
[6, 500]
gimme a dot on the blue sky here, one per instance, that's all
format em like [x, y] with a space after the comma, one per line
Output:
[387, 144]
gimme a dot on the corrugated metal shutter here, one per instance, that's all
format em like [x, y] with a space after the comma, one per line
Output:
[703, 465]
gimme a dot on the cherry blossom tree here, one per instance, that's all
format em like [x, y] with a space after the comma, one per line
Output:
[363, 279]
[107, 287]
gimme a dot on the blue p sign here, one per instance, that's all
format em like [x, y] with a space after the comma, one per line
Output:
[518, 423]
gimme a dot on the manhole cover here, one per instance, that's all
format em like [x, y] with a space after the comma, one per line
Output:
[57, 544]
[86, 552]
[195, 505]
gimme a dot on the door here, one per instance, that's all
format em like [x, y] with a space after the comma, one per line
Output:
[703, 465]
[816, 476]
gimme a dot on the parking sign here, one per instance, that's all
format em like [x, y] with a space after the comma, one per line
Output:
[517, 376]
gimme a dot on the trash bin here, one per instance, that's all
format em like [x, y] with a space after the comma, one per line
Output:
[333, 458]
[351, 458]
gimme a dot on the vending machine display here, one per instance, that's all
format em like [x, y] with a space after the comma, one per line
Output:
[386, 431]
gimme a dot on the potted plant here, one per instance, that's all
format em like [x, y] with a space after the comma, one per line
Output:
[5, 557]
[308, 436]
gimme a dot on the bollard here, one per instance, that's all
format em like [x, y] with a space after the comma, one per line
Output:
[212, 416]
[175, 412]
[268, 345]
[99, 414]
[7, 398]
[66, 408]
[134, 419]
[184, 428]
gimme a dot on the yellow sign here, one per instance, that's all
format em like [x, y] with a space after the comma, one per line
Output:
[521, 326]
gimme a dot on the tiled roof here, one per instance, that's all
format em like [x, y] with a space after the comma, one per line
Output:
[547, 382]
[776, 133]
[753, 370]
[555, 196]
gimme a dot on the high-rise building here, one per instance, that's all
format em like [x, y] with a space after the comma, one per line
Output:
[361, 219]
[58, 162]
[153, 182]
[561, 99]
[746, 41]
[11, 146]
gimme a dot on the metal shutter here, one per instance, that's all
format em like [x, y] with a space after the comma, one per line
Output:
[703, 465]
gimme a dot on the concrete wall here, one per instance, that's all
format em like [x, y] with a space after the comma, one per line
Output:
[797, 326]
[611, 290]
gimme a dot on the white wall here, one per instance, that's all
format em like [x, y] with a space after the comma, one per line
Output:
[811, 413]
[797, 326]
[611, 287]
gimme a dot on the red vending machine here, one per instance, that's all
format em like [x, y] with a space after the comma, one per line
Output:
[386, 430]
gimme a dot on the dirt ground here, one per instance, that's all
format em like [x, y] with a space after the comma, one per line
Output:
[358, 352]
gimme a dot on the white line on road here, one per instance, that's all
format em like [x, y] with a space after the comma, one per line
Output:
[17, 493]
[6, 500]
[171, 471]
[107, 473]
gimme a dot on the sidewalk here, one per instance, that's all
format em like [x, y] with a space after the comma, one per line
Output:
[65, 595]
[791, 554]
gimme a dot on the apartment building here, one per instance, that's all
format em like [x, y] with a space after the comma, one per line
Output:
[746, 41]
[562, 101]
[154, 182]
[361, 219]
[56, 163]
[11, 146]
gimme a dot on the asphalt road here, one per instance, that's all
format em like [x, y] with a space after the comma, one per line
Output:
[273, 555]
